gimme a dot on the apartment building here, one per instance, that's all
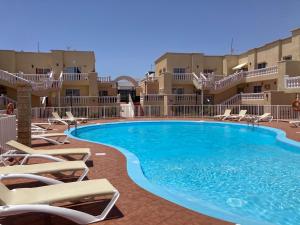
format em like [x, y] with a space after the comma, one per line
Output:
[269, 74]
[58, 78]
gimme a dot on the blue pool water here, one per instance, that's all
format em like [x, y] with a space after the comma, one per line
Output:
[234, 172]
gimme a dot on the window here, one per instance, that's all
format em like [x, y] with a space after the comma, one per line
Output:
[261, 65]
[177, 91]
[208, 71]
[257, 89]
[42, 70]
[72, 92]
[179, 70]
[287, 57]
[72, 70]
[103, 93]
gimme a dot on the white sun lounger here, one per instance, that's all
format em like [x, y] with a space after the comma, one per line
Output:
[57, 119]
[79, 119]
[45, 126]
[53, 138]
[296, 123]
[267, 117]
[45, 168]
[223, 116]
[52, 154]
[239, 117]
[41, 199]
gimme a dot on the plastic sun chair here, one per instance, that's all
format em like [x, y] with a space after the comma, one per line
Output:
[265, 117]
[45, 168]
[79, 119]
[224, 116]
[53, 138]
[57, 119]
[41, 199]
[240, 116]
[45, 126]
[27, 152]
[296, 123]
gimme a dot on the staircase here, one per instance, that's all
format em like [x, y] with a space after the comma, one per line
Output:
[203, 82]
[239, 98]
[41, 83]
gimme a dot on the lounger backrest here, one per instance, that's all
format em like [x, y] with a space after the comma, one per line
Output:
[5, 195]
[56, 116]
[242, 112]
[265, 115]
[70, 115]
[18, 146]
[227, 112]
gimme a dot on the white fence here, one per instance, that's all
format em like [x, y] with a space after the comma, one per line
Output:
[7, 130]
[279, 112]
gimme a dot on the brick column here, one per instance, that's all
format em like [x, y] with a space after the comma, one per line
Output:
[24, 113]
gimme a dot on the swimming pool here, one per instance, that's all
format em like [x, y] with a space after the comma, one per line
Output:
[234, 172]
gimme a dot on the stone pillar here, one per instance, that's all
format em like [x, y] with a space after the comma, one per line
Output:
[24, 113]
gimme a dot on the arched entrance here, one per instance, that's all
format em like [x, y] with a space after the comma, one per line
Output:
[128, 87]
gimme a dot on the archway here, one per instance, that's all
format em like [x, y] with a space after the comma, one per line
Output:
[129, 88]
[127, 78]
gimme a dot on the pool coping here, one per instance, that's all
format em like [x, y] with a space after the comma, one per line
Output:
[135, 171]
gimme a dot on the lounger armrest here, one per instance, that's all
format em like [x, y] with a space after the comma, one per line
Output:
[42, 179]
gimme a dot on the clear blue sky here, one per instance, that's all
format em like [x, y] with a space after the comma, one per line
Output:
[128, 35]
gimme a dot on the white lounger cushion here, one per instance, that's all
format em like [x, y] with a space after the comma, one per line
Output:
[56, 193]
[64, 151]
[44, 168]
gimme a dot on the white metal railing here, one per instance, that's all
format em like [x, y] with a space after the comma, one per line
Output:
[75, 76]
[183, 76]
[279, 112]
[292, 82]
[106, 79]
[8, 130]
[91, 112]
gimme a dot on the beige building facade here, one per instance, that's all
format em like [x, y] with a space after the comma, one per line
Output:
[64, 77]
[273, 68]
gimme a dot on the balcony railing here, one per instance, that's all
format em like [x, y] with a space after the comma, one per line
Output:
[75, 76]
[252, 96]
[261, 72]
[106, 79]
[89, 100]
[34, 77]
[183, 76]
[292, 82]
[152, 98]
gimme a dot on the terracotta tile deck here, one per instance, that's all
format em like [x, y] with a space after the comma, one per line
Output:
[135, 205]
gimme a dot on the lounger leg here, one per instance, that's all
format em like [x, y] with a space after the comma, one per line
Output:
[83, 175]
[73, 215]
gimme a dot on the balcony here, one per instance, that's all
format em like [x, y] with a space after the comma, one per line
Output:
[105, 79]
[88, 100]
[292, 82]
[75, 76]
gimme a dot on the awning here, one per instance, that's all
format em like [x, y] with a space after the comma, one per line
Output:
[240, 66]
